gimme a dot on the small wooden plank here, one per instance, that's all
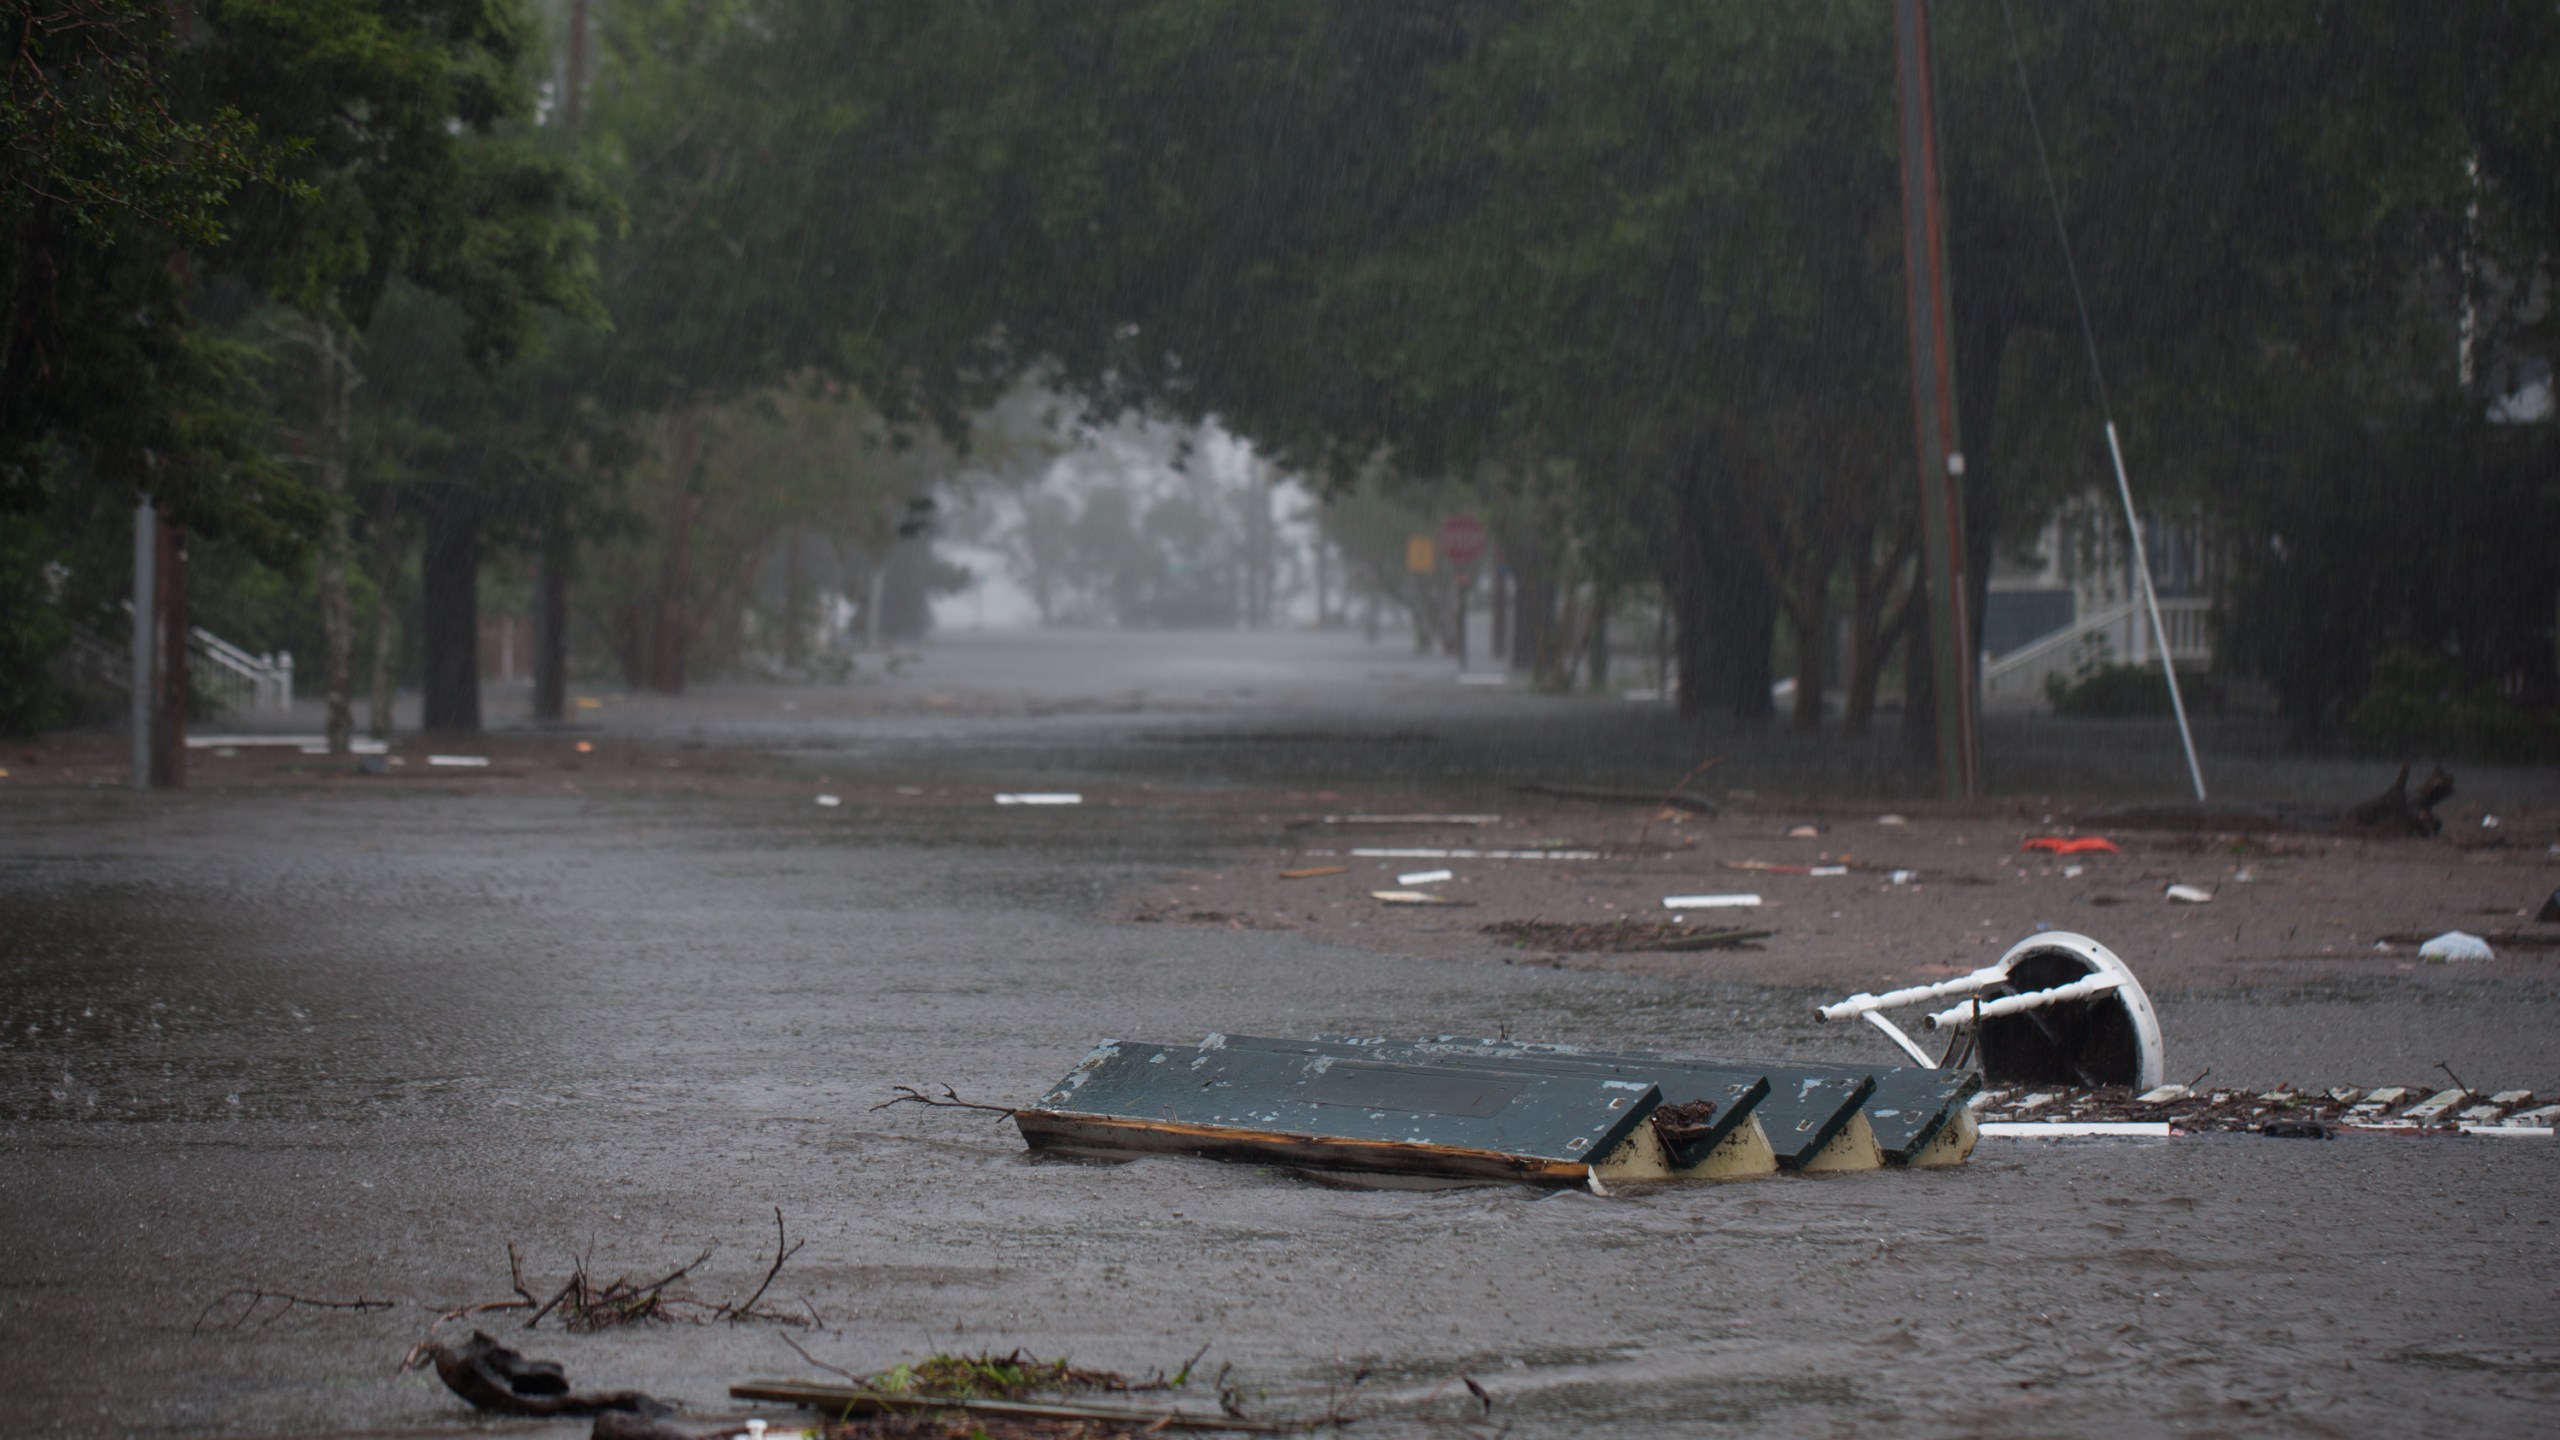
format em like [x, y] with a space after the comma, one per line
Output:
[2434, 1106]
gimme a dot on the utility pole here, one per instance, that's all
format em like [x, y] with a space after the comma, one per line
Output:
[1933, 404]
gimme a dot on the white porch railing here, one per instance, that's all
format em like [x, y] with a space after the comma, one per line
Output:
[237, 679]
[2115, 634]
[219, 670]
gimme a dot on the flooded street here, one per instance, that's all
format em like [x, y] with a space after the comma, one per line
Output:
[342, 1038]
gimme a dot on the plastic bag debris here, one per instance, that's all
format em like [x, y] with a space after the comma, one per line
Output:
[1425, 877]
[830, 801]
[1707, 902]
[1414, 897]
[1891, 820]
[1040, 797]
[2189, 894]
[2456, 945]
[460, 762]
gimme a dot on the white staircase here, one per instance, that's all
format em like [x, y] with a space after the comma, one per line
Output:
[222, 672]
[2116, 634]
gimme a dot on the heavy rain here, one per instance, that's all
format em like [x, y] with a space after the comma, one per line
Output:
[1078, 718]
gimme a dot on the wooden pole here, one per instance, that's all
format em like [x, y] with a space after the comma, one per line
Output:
[1933, 404]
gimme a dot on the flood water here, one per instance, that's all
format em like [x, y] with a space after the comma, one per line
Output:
[357, 1042]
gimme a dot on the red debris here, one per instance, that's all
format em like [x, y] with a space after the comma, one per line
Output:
[2078, 845]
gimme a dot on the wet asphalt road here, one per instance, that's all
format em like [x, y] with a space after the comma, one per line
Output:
[357, 1043]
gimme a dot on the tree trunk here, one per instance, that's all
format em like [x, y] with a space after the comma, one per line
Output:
[451, 621]
[338, 381]
[1811, 616]
[795, 606]
[386, 613]
[337, 627]
[169, 658]
[551, 622]
[1600, 599]
[1872, 636]
[1919, 691]
[1727, 614]
[674, 618]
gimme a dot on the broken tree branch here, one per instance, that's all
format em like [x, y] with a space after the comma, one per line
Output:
[821, 1364]
[949, 1100]
[256, 1298]
[782, 1250]
[1646, 831]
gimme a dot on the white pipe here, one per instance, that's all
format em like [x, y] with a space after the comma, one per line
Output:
[1861, 1004]
[2065, 1129]
[2082, 989]
[2151, 598]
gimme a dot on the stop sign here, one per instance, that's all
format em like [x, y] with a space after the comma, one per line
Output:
[1462, 539]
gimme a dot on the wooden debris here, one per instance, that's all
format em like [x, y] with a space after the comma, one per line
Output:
[2396, 812]
[1676, 800]
[1313, 872]
[493, 1377]
[845, 1400]
[2435, 1106]
[1618, 936]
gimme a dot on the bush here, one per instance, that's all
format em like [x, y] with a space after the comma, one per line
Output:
[2420, 702]
[2116, 691]
[32, 629]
